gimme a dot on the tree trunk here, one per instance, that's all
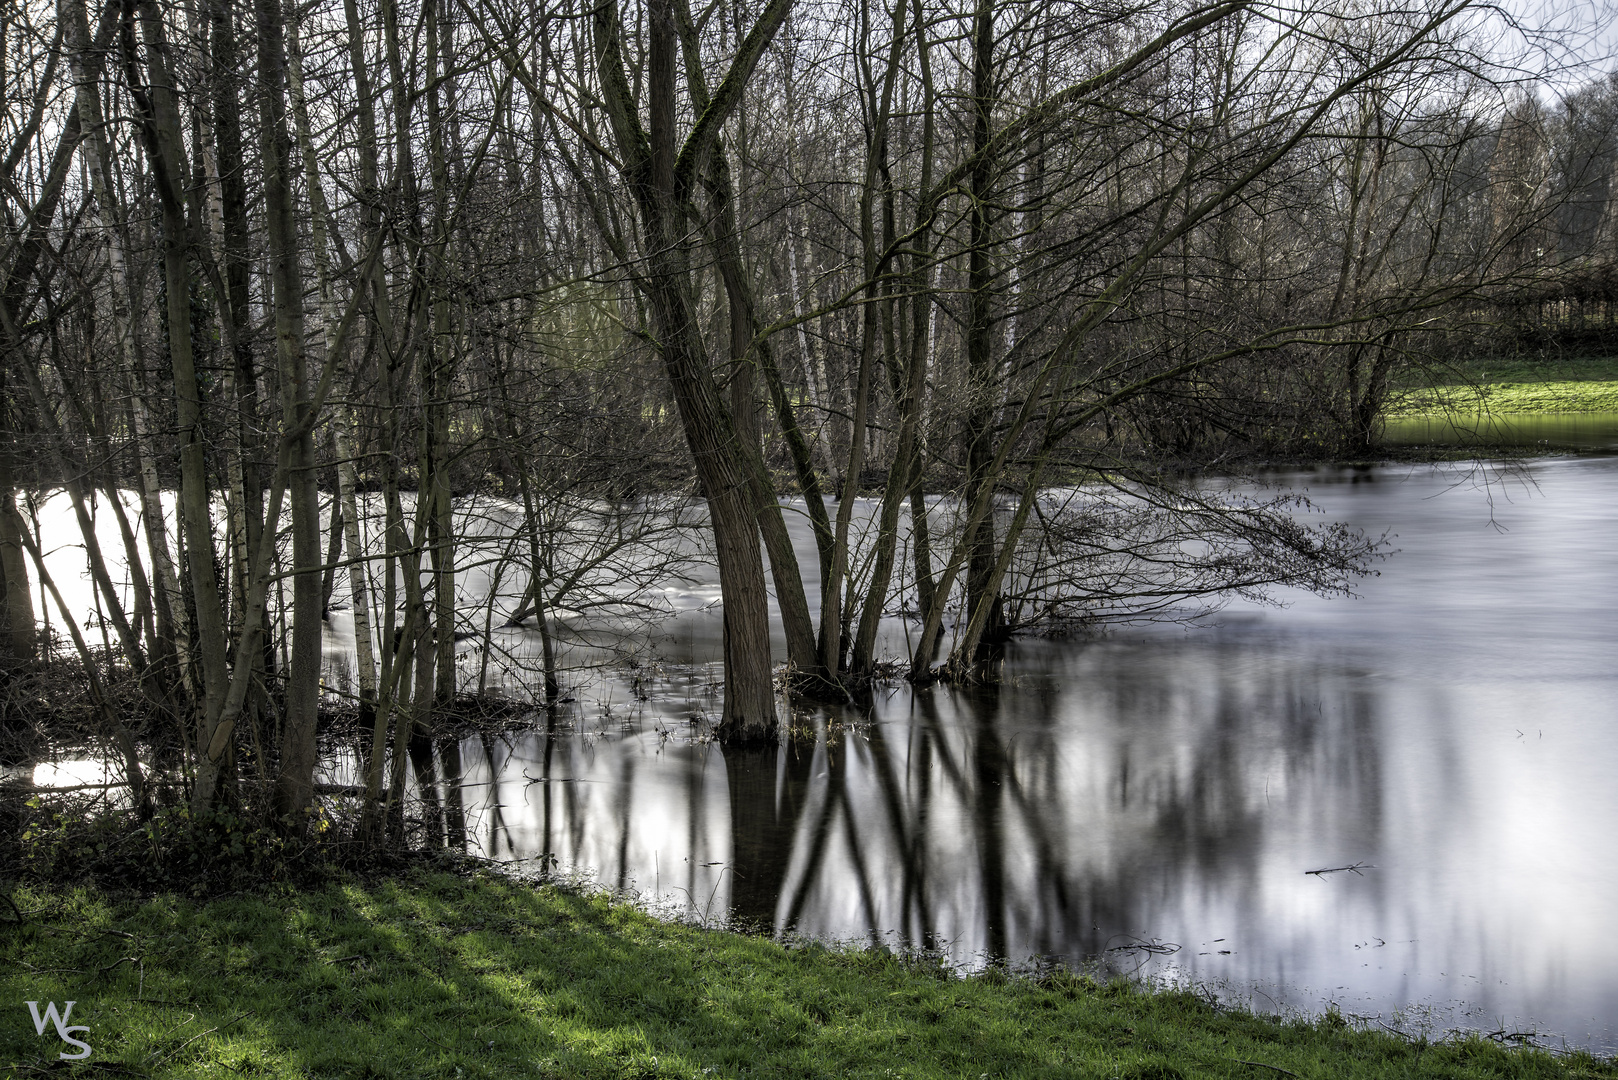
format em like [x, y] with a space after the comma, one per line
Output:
[295, 783]
[243, 447]
[438, 372]
[745, 358]
[977, 435]
[161, 128]
[749, 709]
[879, 103]
[18, 633]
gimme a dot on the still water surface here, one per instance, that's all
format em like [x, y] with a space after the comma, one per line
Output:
[1155, 800]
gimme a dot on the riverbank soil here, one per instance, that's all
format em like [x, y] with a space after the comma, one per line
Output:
[438, 975]
[1525, 384]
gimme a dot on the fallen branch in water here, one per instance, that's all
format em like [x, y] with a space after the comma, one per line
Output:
[532, 780]
[1156, 947]
[1501, 1036]
[1355, 869]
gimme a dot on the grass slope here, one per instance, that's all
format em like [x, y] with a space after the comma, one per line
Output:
[1499, 385]
[441, 976]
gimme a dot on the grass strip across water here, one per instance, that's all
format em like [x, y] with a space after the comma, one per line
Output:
[443, 976]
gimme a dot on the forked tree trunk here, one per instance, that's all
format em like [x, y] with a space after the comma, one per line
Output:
[650, 167]
[977, 432]
[745, 356]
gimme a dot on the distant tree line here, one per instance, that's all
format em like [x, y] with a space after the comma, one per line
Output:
[276, 272]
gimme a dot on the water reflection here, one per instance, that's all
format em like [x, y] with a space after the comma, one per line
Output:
[1124, 797]
[1156, 799]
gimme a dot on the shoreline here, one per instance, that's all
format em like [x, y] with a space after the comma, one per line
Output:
[479, 973]
[1099, 1025]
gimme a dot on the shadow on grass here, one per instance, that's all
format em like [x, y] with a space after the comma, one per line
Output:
[439, 976]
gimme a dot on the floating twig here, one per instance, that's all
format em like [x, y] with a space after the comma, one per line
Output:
[1354, 869]
[1154, 946]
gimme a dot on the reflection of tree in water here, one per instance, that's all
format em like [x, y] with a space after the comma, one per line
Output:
[1021, 821]
[1029, 818]
[768, 790]
[633, 811]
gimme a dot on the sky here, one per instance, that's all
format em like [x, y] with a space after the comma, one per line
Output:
[1571, 41]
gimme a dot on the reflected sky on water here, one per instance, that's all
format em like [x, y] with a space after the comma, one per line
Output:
[1155, 799]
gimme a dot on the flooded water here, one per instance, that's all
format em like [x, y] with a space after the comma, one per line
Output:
[1444, 745]
[1442, 750]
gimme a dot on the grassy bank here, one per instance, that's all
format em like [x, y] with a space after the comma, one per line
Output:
[441, 976]
[1513, 385]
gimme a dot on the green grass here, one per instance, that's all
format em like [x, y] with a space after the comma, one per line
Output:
[1513, 385]
[441, 976]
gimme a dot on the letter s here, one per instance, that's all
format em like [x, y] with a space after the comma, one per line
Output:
[67, 1037]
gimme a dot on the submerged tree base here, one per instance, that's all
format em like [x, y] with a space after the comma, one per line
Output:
[89, 829]
[441, 975]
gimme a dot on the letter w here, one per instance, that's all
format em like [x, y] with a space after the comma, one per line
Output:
[51, 1017]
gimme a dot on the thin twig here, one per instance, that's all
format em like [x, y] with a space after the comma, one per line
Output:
[117, 962]
[210, 1031]
[1265, 1065]
[25, 787]
[15, 910]
[1355, 869]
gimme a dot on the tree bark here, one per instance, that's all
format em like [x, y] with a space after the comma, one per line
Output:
[156, 102]
[18, 632]
[295, 782]
[652, 169]
[977, 435]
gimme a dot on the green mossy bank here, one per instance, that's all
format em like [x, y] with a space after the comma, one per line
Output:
[437, 975]
[1512, 385]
